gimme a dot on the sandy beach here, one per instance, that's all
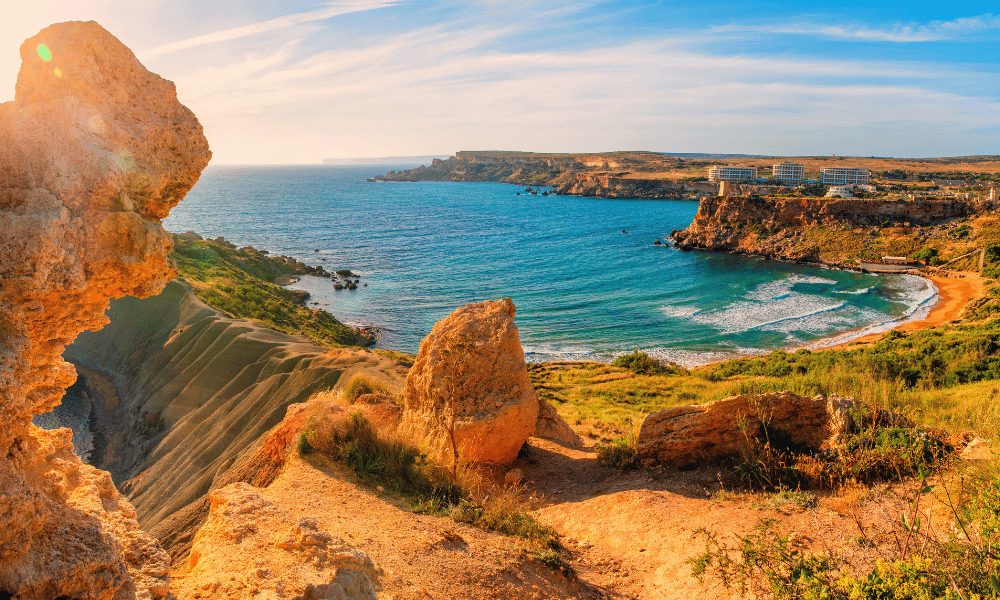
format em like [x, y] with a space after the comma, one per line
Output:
[953, 294]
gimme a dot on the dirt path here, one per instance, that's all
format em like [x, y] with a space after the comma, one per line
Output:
[634, 533]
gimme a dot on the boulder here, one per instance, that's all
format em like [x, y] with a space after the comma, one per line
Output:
[94, 152]
[468, 392]
[551, 426]
[249, 548]
[690, 435]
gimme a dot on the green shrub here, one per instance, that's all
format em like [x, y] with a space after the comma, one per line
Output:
[641, 363]
[620, 454]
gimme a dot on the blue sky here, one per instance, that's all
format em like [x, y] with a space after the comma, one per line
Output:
[299, 81]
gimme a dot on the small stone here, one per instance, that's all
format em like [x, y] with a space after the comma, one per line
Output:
[514, 476]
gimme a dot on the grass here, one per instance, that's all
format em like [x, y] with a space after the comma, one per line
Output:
[620, 454]
[240, 285]
[396, 466]
[359, 385]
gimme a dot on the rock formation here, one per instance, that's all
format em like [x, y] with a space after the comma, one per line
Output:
[771, 226]
[95, 151]
[552, 427]
[184, 394]
[249, 548]
[468, 390]
[689, 435]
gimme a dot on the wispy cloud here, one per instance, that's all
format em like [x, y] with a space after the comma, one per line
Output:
[265, 26]
[905, 33]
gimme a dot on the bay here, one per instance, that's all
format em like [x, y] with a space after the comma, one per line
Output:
[588, 282]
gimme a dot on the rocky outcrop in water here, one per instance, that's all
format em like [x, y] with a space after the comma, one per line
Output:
[95, 151]
[468, 391]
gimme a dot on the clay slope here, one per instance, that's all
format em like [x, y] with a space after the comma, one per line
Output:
[192, 390]
[94, 151]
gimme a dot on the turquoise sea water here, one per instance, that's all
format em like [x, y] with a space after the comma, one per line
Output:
[584, 290]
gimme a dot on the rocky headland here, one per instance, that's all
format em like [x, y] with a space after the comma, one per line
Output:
[96, 151]
[806, 229]
[599, 175]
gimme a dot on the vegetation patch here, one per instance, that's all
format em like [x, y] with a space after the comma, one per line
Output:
[620, 454]
[240, 285]
[389, 463]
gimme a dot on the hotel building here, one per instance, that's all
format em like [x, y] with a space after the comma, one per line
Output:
[790, 173]
[844, 176]
[726, 173]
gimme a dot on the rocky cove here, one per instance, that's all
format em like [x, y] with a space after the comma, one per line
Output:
[224, 461]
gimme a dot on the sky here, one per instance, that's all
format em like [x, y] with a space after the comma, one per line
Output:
[298, 81]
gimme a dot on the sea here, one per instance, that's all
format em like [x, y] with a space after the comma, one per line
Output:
[585, 274]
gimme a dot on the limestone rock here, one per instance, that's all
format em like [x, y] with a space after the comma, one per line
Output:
[688, 435]
[552, 427]
[94, 151]
[468, 388]
[978, 449]
[249, 548]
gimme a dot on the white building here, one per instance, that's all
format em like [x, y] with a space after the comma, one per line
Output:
[790, 173]
[726, 173]
[840, 191]
[844, 176]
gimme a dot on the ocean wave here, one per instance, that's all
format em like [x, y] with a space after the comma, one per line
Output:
[855, 292]
[917, 293]
[770, 304]
[680, 311]
[550, 352]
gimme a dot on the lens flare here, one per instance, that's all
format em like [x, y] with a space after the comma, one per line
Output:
[44, 53]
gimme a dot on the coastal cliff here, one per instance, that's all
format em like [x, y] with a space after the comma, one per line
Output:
[828, 230]
[606, 175]
[95, 151]
[181, 392]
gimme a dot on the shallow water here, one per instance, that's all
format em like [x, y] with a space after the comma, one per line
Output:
[584, 289]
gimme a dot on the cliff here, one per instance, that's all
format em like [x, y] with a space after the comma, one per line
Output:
[804, 229]
[95, 152]
[617, 185]
[571, 174]
[182, 391]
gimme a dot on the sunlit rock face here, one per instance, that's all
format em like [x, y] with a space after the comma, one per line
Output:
[94, 151]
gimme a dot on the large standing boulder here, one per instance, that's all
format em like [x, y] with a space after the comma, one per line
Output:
[468, 392]
[689, 435]
[94, 151]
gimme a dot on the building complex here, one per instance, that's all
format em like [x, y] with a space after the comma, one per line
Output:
[727, 173]
[844, 176]
[789, 173]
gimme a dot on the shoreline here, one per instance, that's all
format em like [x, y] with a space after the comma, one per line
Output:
[953, 295]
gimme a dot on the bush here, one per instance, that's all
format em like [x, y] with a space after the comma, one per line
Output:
[641, 363]
[359, 385]
[620, 454]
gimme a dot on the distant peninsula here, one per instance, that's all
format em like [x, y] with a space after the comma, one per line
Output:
[675, 176]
